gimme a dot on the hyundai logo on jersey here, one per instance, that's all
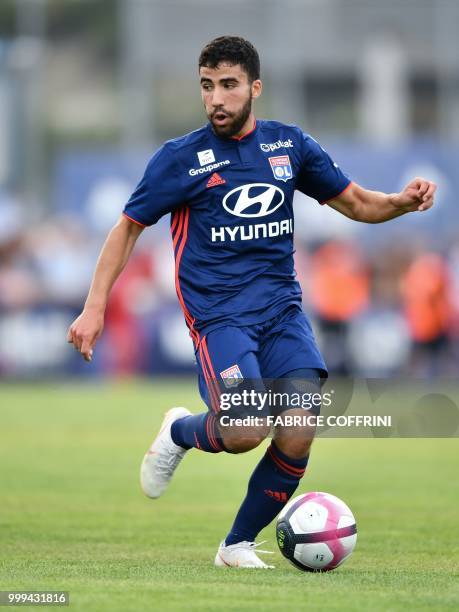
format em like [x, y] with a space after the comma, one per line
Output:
[253, 200]
[281, 167]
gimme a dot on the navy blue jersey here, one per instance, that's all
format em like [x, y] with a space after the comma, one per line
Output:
[232, 223]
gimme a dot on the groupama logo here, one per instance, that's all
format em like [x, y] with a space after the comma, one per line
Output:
[253, 200]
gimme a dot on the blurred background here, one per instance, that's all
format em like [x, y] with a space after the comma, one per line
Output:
[88, 90]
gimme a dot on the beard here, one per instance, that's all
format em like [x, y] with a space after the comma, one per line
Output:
[236, 122]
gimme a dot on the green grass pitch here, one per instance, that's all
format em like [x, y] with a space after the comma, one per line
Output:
[72, 516]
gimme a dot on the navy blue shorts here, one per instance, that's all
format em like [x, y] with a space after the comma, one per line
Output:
[231, 358]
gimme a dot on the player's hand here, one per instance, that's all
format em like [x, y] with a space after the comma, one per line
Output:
[85, 330]
[417, 195]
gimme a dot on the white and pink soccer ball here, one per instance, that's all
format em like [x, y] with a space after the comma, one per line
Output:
[316, 531]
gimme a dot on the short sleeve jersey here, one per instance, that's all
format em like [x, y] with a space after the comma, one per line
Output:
[231, 208]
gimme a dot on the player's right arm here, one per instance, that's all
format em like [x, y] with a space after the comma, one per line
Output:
[160, 191]
[86, 329]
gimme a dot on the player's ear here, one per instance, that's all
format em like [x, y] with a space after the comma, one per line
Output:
[256, 88]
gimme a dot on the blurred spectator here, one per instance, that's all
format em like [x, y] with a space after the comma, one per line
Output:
[379, 340]
[427, 308]
[125, 342]
[339, 291]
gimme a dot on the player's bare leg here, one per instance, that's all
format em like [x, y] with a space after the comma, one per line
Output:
[243, 439]
[295, 441]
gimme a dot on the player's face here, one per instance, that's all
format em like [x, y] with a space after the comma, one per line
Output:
[227, 95]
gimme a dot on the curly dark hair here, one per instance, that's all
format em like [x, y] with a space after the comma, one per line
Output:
[233, 50]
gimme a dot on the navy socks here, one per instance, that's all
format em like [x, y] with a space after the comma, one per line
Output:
[271, 485]
[198, 431]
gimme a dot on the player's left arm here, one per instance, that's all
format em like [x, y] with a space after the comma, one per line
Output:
[368, 206]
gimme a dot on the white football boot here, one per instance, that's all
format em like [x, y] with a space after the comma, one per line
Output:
[242, 554]
[163, 456]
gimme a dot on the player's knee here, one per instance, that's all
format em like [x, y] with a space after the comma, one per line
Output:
[242, 445]
[240, 438]
[295, 442]
[243, 441]
[295, 448]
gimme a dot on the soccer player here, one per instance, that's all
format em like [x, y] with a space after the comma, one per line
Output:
[228, 188]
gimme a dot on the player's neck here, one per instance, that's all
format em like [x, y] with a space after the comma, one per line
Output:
[248, 127]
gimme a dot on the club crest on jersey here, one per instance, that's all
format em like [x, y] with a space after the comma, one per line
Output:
[281, 167]
[232, 376]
